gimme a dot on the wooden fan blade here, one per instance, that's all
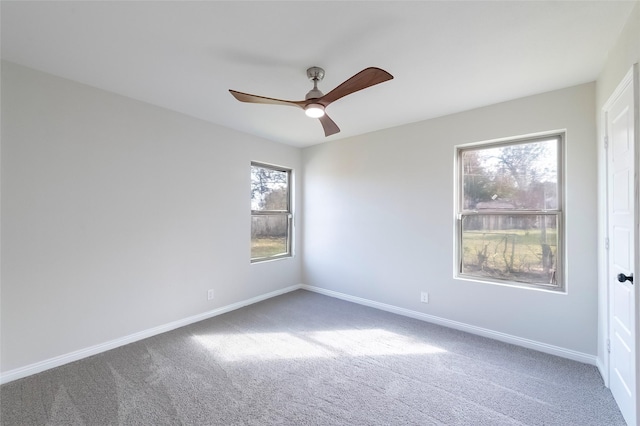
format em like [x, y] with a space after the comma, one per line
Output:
[366, 78]
[329, 126]
[255, 99]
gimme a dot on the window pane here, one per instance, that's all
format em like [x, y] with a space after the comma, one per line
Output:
[521, 248]
[269, 189]
[269, 235]
[520, 176]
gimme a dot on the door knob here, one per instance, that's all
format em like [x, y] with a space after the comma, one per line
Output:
[622, 278]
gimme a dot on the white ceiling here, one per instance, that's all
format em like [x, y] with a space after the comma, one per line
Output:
[446, 56]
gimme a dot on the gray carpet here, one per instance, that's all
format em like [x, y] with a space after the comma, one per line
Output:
[307, 359]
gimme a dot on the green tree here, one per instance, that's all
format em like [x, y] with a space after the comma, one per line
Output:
[519, 161]
[277, 199]
[263, 182]
[478, 185]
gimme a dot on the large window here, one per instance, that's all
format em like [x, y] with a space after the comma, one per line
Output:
[270, 212]
[510, 212]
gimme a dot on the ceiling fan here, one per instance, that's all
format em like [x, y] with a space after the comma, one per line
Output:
[315, 101]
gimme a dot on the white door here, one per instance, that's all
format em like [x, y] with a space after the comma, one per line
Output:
[621, 163]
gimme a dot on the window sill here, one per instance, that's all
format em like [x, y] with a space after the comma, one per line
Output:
[511, 284]
[270, 259]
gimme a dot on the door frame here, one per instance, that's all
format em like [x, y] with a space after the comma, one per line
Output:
[603, 362]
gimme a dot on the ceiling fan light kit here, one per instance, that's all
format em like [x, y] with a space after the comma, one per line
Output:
[316, 102]
[314, 110]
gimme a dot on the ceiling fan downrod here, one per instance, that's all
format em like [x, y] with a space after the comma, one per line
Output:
[315, 74]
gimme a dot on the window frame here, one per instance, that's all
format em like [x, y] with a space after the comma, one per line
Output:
[288, 213]
[558, 212]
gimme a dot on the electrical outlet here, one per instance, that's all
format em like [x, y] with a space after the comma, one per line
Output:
[424, 297]
[210, 294]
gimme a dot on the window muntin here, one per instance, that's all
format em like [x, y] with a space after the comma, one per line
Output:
[510, 212]
[270, 212]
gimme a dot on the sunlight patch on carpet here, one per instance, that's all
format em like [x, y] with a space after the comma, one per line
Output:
[314, 344]
[372, 342]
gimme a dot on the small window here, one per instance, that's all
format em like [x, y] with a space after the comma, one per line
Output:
[270, 212]
[509, 227]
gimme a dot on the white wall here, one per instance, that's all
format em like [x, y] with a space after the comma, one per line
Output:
[620, 59]
[379, 220]
[117, 217]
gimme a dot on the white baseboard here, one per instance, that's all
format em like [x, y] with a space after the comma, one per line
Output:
[57, 361]
[496, 335]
